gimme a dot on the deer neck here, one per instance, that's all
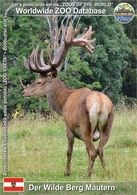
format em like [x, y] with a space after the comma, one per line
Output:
[57, 95]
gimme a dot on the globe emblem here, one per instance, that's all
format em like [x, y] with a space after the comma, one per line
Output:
[124, 13]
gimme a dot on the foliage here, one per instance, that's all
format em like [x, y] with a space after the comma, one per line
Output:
[130, 101]
[130, 72]
[24, 33]
[75, 70]
[111, 54]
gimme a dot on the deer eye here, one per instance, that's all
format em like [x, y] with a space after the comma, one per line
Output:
[39, 82]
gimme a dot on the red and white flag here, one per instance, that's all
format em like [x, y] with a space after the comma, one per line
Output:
[13, 184]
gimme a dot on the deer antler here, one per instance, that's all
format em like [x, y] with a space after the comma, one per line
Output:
[60, 52]
[24, 87]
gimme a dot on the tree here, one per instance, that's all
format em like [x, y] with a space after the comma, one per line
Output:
[109, 59]
[24, 33]
[111, 54]
[130, 73]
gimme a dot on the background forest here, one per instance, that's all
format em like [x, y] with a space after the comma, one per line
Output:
[113, 64]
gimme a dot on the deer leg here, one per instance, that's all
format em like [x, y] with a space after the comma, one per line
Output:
[92, 155]
[100, 149]
[91, 152]
[104, 135]
[70, 138]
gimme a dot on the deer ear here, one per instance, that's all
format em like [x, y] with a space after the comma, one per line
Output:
[52, 74]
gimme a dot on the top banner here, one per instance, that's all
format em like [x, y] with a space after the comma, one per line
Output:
[123, 12]
[69, 8]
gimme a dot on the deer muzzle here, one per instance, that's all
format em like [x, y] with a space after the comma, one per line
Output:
[25, 94]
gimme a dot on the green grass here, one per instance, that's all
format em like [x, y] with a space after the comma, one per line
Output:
[37, 150]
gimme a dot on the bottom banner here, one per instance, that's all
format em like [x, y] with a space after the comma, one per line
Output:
[76, 188]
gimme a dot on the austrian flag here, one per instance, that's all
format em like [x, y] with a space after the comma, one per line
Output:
[13, 184]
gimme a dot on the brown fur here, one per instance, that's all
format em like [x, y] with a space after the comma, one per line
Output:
[84, 111]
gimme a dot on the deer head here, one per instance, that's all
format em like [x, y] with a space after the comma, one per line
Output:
[47, 72]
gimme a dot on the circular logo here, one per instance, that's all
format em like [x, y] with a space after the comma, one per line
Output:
[124, 13]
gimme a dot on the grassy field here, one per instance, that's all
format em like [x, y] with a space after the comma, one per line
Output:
[37, 150]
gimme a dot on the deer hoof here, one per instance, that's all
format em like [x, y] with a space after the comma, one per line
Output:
[66, 174]
[88, 174]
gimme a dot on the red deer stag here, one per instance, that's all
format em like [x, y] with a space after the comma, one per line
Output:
[88, 114]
